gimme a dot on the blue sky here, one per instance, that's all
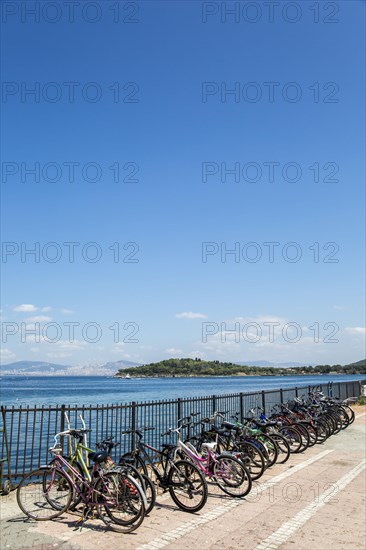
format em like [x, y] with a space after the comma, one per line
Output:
[150, 95]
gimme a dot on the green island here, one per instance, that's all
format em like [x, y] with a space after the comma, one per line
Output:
[198, 367]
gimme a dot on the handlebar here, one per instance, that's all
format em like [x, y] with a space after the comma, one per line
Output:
[79, 434]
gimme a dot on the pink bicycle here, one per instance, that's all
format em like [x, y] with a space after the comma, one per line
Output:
[224, 469]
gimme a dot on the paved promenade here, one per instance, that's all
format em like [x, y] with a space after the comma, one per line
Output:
[314, 501]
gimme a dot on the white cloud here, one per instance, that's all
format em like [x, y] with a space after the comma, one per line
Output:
[6, 355]
[173, 351]
[118, 348]
[68, 345]
[340, 308]
[356, 330]
[31, 308]
[39, 319]
[261, 319]
[58, 355]
[194, 354]
[190, 315]
[34, 350]
[66, 311]
[28, 308]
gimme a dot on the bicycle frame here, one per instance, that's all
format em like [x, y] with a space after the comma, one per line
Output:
[59, 462]
[141, 451]
[203, 463]
[66, 466]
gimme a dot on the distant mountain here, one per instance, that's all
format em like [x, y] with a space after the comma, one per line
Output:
[121, 364]
[271, 364]
[49, 369]
[361, 363]
[118, 365]
[32, 367]
[112, 367]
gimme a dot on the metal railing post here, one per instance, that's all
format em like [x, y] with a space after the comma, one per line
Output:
[62, 425]
[241, 407]
[179, 408]
[133, 423]
[264, 401]
[7, 449]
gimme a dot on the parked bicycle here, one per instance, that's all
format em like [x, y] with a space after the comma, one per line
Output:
[183, 479]
[48, 492]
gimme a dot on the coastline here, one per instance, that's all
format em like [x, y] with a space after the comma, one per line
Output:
[239, 374]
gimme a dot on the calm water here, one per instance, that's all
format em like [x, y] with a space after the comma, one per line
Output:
[31, 390]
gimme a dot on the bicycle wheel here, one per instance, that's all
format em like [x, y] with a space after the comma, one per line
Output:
[350, 412]
[44, 494]
[187, 486]
[269, 450]
[305, 437]
[337, 422]
[231, 476]
[293, 438]
[252, 458]
[134, 460]
[282, 446]
[329, 423]
[344, 417]
[322, 431]
[120, 501]
[312, 431]
[150, 493]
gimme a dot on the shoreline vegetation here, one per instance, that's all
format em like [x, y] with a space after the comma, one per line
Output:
[187, 367]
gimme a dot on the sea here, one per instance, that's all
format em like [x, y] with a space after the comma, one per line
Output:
[102, 390]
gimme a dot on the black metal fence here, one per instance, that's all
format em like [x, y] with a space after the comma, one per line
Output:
[28, 432]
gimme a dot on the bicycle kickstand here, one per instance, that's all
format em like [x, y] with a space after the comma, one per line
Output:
[87, 512]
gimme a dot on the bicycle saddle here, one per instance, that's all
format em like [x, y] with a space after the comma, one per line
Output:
[98, 456]
[210, 446]
[126, 460]
[230, 425]
[265, 423]
[168, 446]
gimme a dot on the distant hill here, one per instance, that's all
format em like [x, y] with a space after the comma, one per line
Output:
[176, 367]
[31, 367]
[199, 367]
[361, 363]
[271, 364]
[120, 365]
[49, 369]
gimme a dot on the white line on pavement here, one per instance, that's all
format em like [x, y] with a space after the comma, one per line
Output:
[359, 415]
[288, 529]
[224, 508]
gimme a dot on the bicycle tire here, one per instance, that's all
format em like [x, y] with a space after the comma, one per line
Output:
[305, 436]
[282, 446]
[312, 431]
[337, 421]
[252, 458]
[186, 483]
[232, 476]
[150, 493]
[293, 438]
[322, 431]
[138, 463]
[350, 412]
[271, 451]
[122, 499]
[44, 494]
[82, 488]
[344, 417]
[145, 482]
